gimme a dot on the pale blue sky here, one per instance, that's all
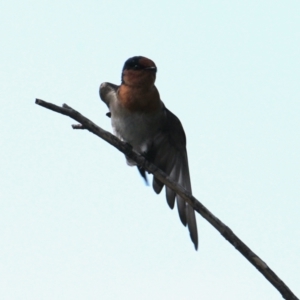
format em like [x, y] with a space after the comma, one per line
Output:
[76, 222]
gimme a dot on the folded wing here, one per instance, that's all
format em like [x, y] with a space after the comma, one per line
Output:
[168, 152]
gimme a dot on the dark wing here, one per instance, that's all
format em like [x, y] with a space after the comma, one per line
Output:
[168, 152]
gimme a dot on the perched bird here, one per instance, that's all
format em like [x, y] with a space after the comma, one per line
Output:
[140, 118]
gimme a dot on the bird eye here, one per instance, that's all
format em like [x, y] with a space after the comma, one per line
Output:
[132, 64]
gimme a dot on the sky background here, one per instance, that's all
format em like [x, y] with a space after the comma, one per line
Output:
[76, 222]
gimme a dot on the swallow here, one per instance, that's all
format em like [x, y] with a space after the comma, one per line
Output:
[140, 118]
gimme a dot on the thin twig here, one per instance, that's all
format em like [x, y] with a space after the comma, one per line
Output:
[227, 233]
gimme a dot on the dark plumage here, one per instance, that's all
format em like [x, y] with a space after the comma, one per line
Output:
[140, 118]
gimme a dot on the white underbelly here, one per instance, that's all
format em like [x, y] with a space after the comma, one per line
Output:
[137, 129]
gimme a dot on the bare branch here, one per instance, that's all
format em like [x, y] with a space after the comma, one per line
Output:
[225, 231]
[78, 126]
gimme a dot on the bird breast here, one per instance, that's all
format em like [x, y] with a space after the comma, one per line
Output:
[136, 128]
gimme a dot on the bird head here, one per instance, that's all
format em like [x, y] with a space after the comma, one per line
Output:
[139, 71]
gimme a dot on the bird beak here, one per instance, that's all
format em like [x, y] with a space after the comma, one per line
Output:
[150, 68]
